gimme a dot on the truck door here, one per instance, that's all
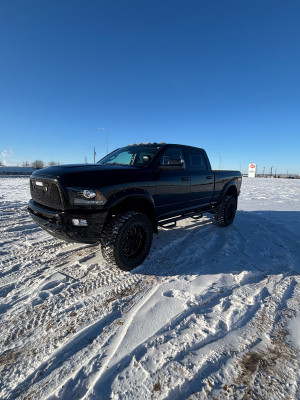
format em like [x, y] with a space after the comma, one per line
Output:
[173, 183]
[202, 178]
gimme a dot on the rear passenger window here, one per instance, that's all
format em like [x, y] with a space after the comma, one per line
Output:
[196, 160]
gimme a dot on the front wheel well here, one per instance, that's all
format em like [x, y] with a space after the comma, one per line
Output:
[137, 204]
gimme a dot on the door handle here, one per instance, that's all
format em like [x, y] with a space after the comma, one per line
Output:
[209, 177]
[185, 178]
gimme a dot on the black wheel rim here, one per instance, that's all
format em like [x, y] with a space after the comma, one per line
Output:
[134, 242]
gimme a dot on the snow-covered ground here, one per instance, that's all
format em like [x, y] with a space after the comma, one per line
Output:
[213, 313]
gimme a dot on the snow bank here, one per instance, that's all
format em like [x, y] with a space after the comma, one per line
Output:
[4, 170]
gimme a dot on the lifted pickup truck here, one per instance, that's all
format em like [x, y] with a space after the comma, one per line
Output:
[121, 200]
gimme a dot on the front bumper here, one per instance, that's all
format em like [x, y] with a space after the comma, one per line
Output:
[59, 223]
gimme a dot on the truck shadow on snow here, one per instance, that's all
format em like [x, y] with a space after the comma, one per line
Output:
[257, 241]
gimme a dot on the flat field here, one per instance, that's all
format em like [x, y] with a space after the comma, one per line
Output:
[213, 313]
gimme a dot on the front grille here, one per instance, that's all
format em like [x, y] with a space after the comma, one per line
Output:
[46, 192]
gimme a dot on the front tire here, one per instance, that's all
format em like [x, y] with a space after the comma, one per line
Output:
[126, 240]
[225, 212]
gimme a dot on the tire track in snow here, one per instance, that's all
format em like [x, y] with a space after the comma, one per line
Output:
[117, 340]
[74, 296]
[201, 367]
[90, 344]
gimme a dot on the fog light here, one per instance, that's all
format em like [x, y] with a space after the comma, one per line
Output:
[79, 222]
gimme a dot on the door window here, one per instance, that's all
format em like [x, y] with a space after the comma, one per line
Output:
[172, 155]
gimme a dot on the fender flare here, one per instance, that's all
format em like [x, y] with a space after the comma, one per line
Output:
[225, 189]
[134, 195]
[125, 194]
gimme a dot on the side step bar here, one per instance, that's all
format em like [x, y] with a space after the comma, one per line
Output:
[169, 223]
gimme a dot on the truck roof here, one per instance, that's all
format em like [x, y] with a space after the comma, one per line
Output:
[162, 144]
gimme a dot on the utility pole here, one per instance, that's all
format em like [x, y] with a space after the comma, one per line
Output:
[271, 170]
[220, 160]
[94, 155]
[264, 171]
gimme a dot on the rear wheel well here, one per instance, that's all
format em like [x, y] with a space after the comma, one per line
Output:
[231, 191]
[137, 204]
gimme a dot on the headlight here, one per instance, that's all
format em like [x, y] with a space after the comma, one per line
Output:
[89, 194]
[88, 197]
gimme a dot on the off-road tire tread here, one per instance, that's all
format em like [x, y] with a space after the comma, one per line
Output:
[109, 236]
[219, 214]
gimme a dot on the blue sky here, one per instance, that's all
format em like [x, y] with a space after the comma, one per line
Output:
[218, 74]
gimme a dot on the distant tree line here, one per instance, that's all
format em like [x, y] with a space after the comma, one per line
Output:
[38, 164]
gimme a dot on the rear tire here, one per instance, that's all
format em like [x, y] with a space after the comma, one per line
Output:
[225, 212]
[126, 240]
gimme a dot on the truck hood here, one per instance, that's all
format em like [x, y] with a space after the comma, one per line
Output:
[89, 175]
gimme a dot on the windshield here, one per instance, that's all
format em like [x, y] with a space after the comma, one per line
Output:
[137, 156]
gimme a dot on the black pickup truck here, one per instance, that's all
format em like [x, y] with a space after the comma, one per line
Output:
[121, 200]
